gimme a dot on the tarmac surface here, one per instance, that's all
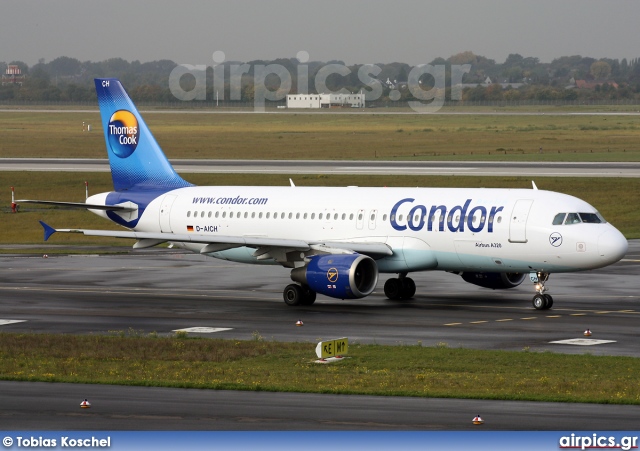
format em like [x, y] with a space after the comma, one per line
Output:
[297, 167]
[165, 290]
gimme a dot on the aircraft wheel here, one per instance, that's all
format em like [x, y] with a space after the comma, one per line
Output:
[549, 302]
[293, 294]
[539, 302]
[309, 296]
[408, 287]
[393, 289]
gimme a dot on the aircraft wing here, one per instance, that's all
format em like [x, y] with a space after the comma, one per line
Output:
[222, 242]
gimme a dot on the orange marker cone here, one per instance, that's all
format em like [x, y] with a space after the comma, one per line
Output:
[85, 404]
[478, 420]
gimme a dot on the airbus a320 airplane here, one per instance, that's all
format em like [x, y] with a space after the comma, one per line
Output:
[337, 240]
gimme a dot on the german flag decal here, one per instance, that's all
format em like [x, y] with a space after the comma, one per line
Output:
[189, 228]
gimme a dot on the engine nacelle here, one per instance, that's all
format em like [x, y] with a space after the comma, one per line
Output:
[494, 280]
[349, 276]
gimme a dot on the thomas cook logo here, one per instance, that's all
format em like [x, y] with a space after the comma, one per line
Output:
[555, 239]
[332, 275]
[123, 132]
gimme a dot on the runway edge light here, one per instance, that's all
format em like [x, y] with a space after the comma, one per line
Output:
[478, 420]
[85, 404]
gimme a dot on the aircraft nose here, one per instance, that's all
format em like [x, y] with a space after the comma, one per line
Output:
[612, 246]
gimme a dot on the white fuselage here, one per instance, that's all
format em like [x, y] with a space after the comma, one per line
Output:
[451, 229]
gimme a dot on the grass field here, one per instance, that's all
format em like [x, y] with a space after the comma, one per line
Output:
[132, 359]
[338, 136]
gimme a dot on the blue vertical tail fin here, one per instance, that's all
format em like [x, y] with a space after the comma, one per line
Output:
[137, 161]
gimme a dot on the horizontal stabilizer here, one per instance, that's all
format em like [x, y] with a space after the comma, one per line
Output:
[80, 205]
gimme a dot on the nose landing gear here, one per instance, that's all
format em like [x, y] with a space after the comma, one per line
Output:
[541, 300]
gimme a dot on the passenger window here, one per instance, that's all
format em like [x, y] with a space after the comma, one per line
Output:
[188, 214]
[305, 216]
[217, 213]
[559, 219]
[297, 215]
[320, 216]
[209, 215]
[253, 215]
[384, 217]
[360, 217]
[344, 216]
[290, 215]
[230, 214]
[246, 214]
[260, 215]
[335, 216]
[268, 215]
[572, 218]
[313, 216]
[224, 214]
[351, 217]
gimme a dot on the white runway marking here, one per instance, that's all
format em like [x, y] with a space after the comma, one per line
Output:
[203, 330]
[4, 322]
[582, 342]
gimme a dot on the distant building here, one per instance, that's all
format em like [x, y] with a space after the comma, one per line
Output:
[487, 82]
[13, 76]
[325, 100]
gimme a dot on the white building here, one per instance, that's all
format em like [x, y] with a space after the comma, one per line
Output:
[325, 100]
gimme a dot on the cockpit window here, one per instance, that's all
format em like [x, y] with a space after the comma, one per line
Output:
[592, 218]
[577, 218]
[572, 218]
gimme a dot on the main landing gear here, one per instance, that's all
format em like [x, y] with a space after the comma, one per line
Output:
[541, 301]
[400, 288]
[295, 294]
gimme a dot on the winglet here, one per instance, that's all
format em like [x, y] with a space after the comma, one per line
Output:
[48, 230]
[534, 185]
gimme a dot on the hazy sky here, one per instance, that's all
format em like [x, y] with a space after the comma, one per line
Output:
[355, 31]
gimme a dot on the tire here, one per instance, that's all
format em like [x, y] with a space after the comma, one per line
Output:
[408, 288]
[539, 302]
[309, 296]
[393, 289]
[549, 300]
[293, 295]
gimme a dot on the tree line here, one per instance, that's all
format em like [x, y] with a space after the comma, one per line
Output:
[518, 78]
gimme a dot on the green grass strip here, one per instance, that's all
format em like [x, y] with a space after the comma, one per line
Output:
[148, 360]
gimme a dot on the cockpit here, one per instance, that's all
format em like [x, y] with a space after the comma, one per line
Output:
[577, 218]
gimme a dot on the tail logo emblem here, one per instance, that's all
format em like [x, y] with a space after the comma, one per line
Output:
[123, 133]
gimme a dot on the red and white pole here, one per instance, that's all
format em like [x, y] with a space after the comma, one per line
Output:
[14, 206]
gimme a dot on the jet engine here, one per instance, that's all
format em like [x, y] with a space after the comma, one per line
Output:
[494, 280]
[349, 276]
